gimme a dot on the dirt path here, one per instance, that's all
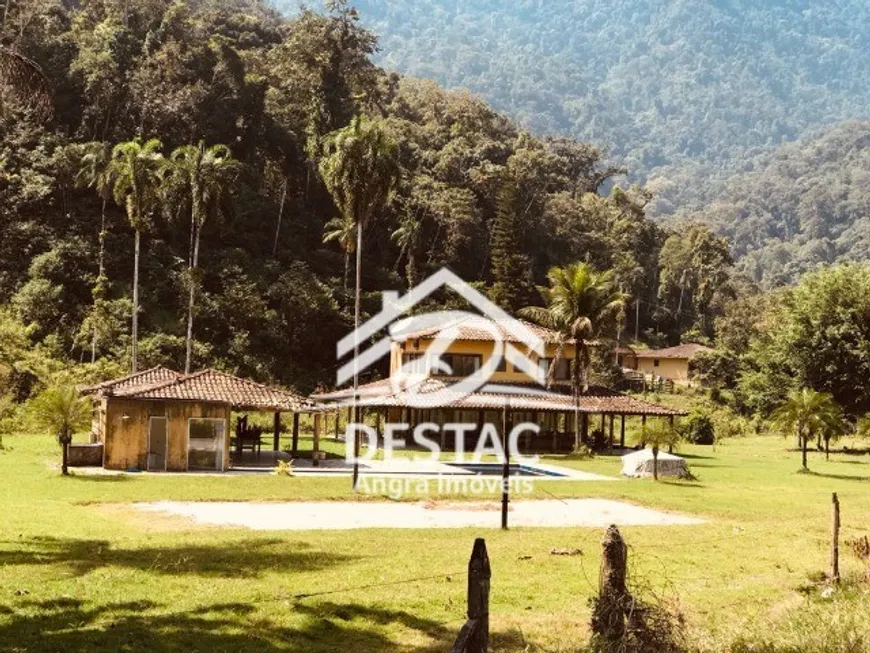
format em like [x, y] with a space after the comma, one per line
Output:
[346, 515]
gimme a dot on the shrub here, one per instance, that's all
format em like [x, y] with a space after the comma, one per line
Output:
[598, 440]
[727, 424]
[284, 468]
[698, 428]
[716, 369]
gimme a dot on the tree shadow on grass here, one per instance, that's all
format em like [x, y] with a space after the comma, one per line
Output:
[100, 478]
[694, 456]
[838, 477]
[683, 483]
[245, 558]
[71, 625]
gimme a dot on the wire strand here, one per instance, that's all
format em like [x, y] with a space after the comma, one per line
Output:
[306, 595]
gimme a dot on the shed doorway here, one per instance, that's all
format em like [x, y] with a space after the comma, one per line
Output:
[158, 442]
[205, 449]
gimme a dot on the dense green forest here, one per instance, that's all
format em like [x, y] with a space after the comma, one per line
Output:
[186, 158]
[682, 93]
[196, 129]
[808, 205]
[699, 101]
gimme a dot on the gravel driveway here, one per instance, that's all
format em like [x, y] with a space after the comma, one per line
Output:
[344, 515]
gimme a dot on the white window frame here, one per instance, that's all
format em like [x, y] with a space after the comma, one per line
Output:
[219, 466]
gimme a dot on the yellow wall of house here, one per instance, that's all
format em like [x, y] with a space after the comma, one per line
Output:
[179, 414]
[675, 369]
[126, 433]
[126, 423]
[483, 349]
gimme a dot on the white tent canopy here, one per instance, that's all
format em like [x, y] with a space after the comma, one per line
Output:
[640, 465]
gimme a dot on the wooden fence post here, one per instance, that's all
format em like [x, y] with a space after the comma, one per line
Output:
[609, 614]
[835, 538]
[474, 636]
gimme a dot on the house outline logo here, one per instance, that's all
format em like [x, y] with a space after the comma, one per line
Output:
[445, 324]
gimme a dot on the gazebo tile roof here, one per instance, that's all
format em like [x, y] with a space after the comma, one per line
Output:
[145, 378]
[220, 387]
[437, 393]
[209, 386]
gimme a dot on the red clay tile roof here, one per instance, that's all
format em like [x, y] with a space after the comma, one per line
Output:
[141, 379]
[680, 351]
[436, 393]
[480, 328]
[218, 387]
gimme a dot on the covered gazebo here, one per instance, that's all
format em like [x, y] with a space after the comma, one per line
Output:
[161, 420]
[432, 400]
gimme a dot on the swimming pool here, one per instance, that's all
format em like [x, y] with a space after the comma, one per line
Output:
[496, 469]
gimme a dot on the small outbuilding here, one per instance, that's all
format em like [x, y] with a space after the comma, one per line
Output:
[640, 465]
[160, 420]
[673, 363]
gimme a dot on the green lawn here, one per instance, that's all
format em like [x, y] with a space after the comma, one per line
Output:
[83, 572]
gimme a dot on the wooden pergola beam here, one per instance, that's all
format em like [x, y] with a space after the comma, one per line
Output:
[276, 444]
[315, 448]
[295, 447]
[622, 432]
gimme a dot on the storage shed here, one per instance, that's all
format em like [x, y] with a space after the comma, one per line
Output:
[160, 420]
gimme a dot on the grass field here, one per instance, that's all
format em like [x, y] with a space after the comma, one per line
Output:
[81, 571]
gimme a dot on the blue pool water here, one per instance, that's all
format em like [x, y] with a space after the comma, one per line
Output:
[495, 469]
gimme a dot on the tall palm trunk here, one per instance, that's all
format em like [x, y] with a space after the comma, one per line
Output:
[194, 266]
[412, 268]
[347, 274]
[356, 321]
[575, 390]
[280, 218]
[576, 421]
[64, 464]
[804, 452]
[135, 327]
[101, 275]
[582, 354]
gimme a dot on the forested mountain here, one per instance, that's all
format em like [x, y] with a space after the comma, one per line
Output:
[682, 92]
[189, 135]
[809, 204]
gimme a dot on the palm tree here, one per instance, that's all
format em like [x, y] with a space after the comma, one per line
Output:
[659, 435]
[135, 168]
[202, 178]
[96, 172]
[360, 167]
[580, 303]
[808, 413]
[342, 231]
[407, 236]
[62, 411]
[26, 80]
